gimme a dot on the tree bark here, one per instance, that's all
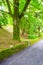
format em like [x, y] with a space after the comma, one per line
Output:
[16, 30]
[0, 25]
[16, 19]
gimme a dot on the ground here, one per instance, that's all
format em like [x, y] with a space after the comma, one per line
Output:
[6, 38]
[29, 56]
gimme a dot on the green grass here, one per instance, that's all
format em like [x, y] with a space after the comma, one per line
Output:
[8, 46]
[8, 52]
[32, 41]
[6, 40]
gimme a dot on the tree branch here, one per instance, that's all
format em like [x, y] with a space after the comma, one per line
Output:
[16, 8]
[37, 8]
[25, 7]
[4, 12]
[9, 7]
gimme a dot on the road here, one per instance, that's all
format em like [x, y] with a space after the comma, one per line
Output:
[29, 56]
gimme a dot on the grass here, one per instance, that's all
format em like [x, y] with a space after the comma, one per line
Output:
[8, 52]
[6, 40]
[32, 41]
[8, 46]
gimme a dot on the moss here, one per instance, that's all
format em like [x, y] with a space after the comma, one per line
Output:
[32, 41]
[8, 52]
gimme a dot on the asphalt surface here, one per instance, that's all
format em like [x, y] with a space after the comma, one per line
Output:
[29, 56]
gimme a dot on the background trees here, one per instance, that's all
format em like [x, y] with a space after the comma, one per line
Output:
[13, 10]
[24, 14]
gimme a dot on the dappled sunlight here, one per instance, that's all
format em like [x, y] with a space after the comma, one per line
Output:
[9, 28]
[21, 26]
[6, 39]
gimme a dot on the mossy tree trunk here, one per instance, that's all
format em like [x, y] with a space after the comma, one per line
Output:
[16, 20]
[16, 16]
[16, 29]
[39, 31]
[0, 25]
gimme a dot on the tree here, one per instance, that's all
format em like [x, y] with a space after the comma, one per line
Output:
[19, 10]
[13, 11]
[33, 18]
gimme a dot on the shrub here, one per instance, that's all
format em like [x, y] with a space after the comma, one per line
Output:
[32, 36]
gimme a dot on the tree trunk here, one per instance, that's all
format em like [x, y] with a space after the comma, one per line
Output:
[0, 25]
[38, 31]
[23, 31]
[16, 30]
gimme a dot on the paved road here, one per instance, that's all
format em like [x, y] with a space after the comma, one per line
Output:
[29, 56]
